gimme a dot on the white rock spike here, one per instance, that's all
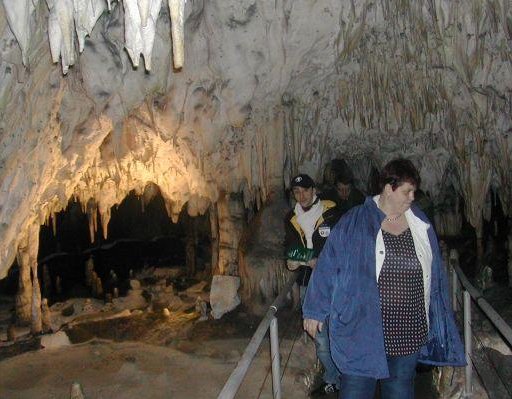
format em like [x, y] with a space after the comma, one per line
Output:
[61, 31]
[140, 39]
[144, 6]
[148, 32]
[177, 12]
[86, 13]
[132, 32]
[18, 14]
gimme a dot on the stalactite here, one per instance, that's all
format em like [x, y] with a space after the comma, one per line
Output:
[473, 165]
[18, 14]
[140, 24]
[86, 13]
[92, 216]
[54, 223]
[60, 32]
[214, 233]
[177, 12]
[66, 16]
[105, 219]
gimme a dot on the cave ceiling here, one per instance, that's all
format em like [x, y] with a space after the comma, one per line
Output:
[98, 98]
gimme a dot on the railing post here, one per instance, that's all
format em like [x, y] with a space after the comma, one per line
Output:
[455, 289]
[276, 361]
[468, 389]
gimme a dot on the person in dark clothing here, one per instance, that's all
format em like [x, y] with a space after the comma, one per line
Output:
[344, 194]
[307, 227]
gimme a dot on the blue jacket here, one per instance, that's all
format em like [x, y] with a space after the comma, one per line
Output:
[343, 289]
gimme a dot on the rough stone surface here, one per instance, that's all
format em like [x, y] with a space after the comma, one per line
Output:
[54, 341]
[223, 295]
[268, 88]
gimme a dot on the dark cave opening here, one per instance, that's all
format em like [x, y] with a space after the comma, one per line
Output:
[140, 235]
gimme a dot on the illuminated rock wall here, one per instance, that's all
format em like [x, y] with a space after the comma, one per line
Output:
[267, 89]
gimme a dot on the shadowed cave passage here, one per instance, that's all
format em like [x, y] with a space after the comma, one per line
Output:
[140, 235]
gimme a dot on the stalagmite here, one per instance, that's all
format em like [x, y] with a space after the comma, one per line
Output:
[89, 270]
[11, 332]
[94, 286]
[58, 285]
[36, 322]
[46, 316]
[24, 294]
[177, 11]
[76, 391]
[99, 287]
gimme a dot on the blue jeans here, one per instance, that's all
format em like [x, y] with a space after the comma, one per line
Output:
[400, 384]
[323, 351]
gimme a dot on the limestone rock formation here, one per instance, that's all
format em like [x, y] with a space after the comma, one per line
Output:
[264, 89]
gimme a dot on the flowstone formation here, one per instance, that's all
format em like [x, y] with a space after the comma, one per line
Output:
[263, 89]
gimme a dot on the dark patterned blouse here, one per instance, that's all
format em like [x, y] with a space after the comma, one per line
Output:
[401, 296]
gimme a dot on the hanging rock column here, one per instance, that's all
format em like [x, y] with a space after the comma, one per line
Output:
[214, 231]
[24, 295]
[28, 298]
[231, 219]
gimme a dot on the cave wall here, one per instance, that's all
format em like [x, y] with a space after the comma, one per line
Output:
[267, 89]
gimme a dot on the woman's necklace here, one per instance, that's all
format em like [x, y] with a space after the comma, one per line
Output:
[388, 219]
[393, 219]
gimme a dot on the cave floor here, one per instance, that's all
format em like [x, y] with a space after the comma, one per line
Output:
[148, 356]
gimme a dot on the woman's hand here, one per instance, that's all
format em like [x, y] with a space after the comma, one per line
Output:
[312, 326]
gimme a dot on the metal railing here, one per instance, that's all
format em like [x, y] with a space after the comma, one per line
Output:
[269, 321]
[470, 293]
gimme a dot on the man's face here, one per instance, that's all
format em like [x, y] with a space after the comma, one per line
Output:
[304, 196]
[343, 190]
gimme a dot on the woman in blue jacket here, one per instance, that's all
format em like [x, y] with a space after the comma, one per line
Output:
[380, 286]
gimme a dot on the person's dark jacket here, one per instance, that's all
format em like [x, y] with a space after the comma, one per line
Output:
[294, 236]
[344, 289]
[355, 198]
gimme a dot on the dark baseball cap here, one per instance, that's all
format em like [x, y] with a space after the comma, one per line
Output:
[303, 181]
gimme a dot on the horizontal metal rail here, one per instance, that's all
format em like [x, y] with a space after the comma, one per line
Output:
[235, 379]
[472, 293]
[498, 322]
